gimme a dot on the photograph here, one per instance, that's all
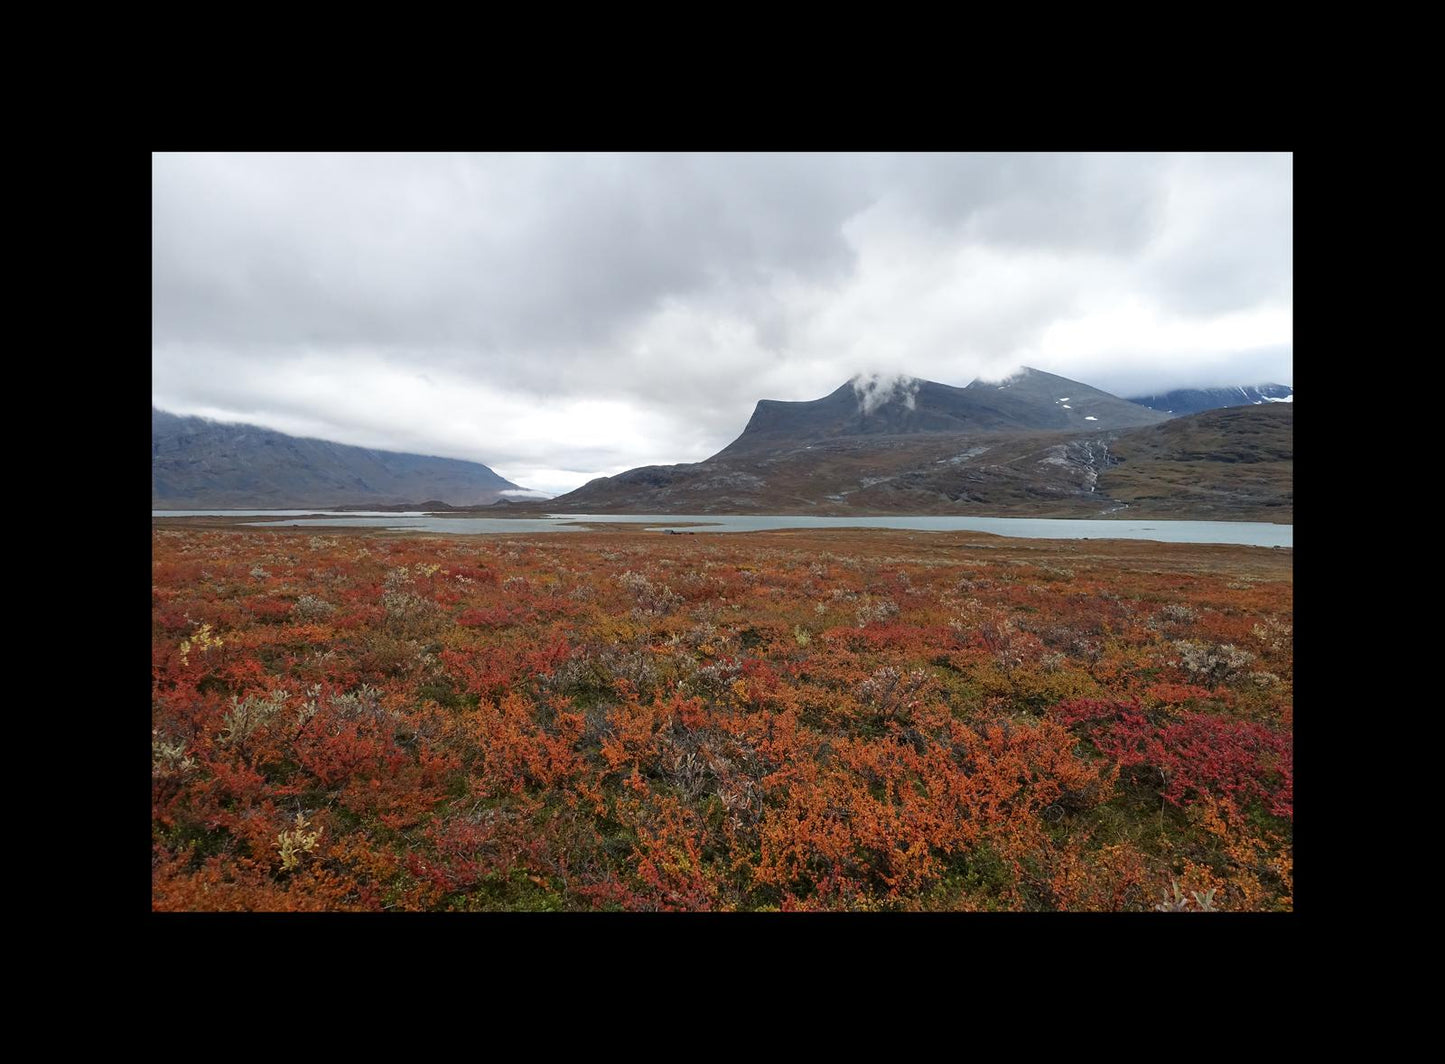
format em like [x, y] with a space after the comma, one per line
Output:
[722, 532]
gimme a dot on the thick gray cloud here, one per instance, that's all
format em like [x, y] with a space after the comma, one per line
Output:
[560, 317]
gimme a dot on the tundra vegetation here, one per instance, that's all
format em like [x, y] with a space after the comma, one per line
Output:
[769, 721]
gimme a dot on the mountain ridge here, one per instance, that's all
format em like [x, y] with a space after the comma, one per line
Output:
[199, 463]
[1197, 400]
[1027, 401]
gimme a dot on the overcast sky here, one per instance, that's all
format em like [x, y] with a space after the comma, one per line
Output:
[562, 317]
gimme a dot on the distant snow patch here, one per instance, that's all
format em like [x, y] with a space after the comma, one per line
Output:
[1088, 418]
[1065, 399]
[1067, 407]
[1287, 399]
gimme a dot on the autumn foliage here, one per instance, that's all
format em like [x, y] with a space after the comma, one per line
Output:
[791, 720]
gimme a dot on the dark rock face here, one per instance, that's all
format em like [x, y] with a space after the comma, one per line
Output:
[202, 464]
[1029, 401]
[1196, 400]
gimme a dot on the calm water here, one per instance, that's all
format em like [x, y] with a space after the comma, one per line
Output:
[1251, 533]
[289, 513]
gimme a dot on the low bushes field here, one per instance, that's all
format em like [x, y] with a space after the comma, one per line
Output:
[620, 720]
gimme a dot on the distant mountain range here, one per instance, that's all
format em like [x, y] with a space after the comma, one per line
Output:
[1195, 400]
[202, 464]
[1035, 443]
[1032, 444]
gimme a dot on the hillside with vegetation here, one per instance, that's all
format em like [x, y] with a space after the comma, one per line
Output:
[1235, 463]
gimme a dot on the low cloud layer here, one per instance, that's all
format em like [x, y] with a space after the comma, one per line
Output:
[563, 317]
[874, 390]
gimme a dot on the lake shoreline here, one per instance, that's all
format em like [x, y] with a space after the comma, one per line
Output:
[1259, 534]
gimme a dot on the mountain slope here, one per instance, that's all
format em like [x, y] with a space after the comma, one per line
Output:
[196, 463]
[1007, 447]
[1235, 463]
[1197, 400]
[1070, 404]
[943, 472]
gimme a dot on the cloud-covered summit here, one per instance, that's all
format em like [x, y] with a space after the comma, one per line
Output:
[873, 390]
